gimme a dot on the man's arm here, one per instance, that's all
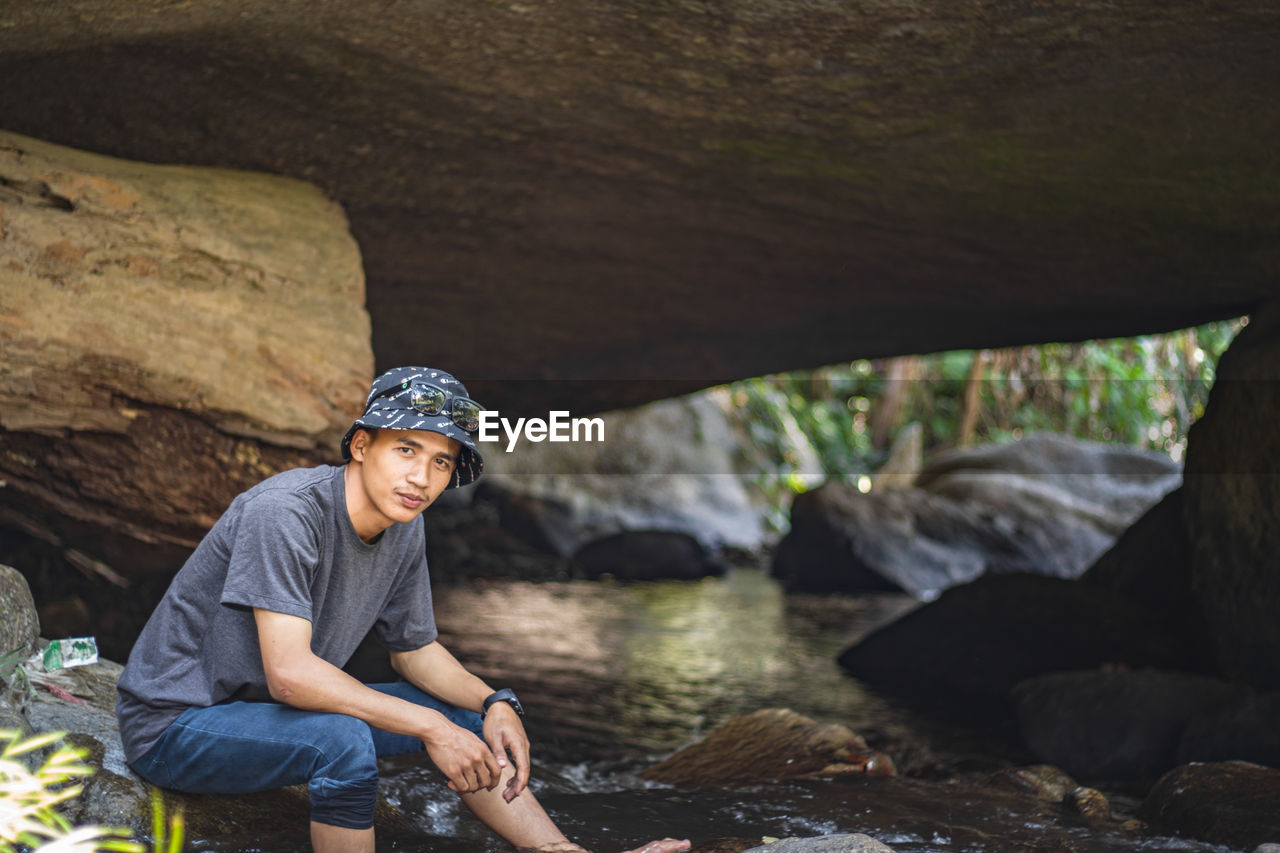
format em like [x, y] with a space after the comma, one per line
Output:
[433, 669]
[295, 676]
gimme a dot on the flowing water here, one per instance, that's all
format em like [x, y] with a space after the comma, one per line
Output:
[616, 676]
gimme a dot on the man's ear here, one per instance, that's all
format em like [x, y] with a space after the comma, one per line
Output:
[360, 442]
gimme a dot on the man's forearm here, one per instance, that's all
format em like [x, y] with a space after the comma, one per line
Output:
[433, 669]
[313, 684]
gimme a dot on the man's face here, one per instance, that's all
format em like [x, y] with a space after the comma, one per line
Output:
[398, 474]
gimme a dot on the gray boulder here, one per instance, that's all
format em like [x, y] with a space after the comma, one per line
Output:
[1047, 505]
[19, 625]
[683, 465]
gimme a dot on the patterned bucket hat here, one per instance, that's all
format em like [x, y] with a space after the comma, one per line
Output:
[388, 407]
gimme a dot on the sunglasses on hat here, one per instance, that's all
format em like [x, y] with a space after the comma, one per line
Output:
[428, 398]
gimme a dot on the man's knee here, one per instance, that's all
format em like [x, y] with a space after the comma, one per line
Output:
[344, 784]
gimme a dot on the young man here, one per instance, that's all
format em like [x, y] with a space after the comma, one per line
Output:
[235, 684]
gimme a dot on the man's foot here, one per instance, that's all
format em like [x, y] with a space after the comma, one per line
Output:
[666, 845]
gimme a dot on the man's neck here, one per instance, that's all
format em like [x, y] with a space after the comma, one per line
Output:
[365, 518]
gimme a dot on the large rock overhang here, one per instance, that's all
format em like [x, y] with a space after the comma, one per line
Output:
[673, 194]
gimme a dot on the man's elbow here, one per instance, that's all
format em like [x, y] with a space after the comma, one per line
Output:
[283, 685]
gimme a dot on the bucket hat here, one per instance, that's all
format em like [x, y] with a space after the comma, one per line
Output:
[388, 408]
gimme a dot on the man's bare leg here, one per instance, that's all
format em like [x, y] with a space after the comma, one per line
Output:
[526, 825]
[326, 838]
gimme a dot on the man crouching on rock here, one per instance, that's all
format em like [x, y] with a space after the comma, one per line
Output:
[235, 683]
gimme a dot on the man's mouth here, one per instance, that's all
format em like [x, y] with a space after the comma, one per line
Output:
[410, 500]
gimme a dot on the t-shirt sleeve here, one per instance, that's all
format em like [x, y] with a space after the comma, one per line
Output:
[408, 622]
[274, 556]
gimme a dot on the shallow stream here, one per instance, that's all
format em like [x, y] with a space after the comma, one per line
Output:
[616, 676]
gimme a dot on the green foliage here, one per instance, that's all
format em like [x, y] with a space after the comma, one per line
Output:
[1144, 392]
[167, 835]
[28, 800]
[29, 818]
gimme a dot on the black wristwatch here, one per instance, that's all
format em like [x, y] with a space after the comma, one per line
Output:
[507, 695]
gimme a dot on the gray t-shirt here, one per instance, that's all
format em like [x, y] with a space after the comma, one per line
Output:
[285, 545]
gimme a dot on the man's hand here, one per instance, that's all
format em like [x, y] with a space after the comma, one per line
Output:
[505, 735]
[469, 765]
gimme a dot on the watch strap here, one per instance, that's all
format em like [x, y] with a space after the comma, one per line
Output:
[507, 695]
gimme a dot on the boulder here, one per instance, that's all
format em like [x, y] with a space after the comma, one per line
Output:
[675, 194]
[1150, 565]
[769, 745]
[1106, 485]
[81, 702]
[1232, 489]
[1246, 730]
[636, 555]
[1233, 803]
[1047, 504]
[19, 625]
[1117, 725]
[171, 335]
[682, 465]
[960, 656]
[844, 541]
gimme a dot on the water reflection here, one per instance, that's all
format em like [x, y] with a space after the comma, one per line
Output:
[610, 670]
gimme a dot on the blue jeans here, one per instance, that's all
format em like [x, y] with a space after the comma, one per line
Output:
[242, 747]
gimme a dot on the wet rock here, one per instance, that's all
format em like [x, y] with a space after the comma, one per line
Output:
[1048, 505]
[1245, 730]
[647, 555]
[172, 335]
[19, 625]
[1053, 785]
[771, 744]
[843, 843]
[1041, 781]
[1117, 726]
[1091, 804]
[1233, 803]
[1150, 565]
[1232, 489]
[960, 656]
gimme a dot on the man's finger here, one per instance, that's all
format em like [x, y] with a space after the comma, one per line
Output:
[496, 747]
[494, 771]
[518, 781]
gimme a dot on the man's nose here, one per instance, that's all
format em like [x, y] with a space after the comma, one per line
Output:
[420, 475]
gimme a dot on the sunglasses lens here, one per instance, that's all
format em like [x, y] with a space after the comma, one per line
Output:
[466, 413]
[427, 399]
